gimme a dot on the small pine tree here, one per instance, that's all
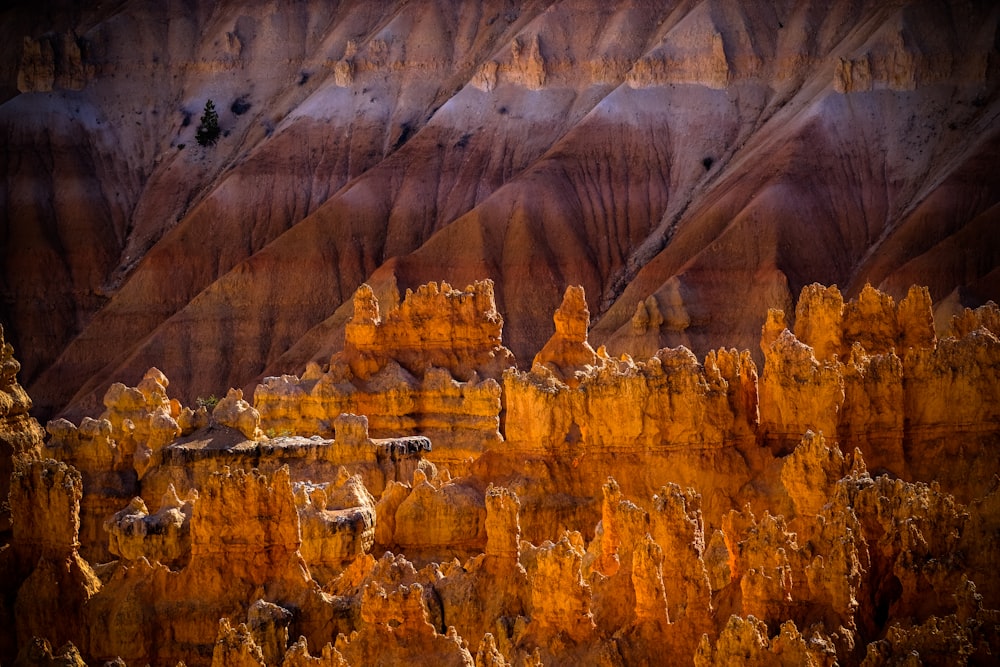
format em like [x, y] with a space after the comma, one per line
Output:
[208, 128]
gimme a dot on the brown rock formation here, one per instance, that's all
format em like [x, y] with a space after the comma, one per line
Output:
[134, 533]
[46, 578]
[640, 150]
[735, 533]
[234, 412]
[429, 367]
[244, 547]
[568, 350]
[434, 327]
[51, 61]
[897, 396]
[748, 640]
[20, 435]
[337, 522]
[674, 420]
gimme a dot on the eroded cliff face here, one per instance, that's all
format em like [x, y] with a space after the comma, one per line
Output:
[396, 473]
[21, 436]
[689, 164]
[430, 365]
[665, 510]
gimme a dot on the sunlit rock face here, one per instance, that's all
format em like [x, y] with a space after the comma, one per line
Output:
[666, 510]
[428, 365]
[689, 165]
[542, 333]
[21, 436]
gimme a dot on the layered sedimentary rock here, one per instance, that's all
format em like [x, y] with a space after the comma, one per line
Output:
[875, 376]
[47, 585]
[244, 546]
[163, 536]
[114, 451]
[336, 520]
[579, 416]
[635, 511]
[664, 157]
[21, 436]
[430, 365]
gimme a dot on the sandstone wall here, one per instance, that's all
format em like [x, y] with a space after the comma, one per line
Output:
[874, 375]
[21, 436]
[430, 366]
[659, 510]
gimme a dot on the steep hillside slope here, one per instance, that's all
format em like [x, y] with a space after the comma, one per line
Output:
[689, 163]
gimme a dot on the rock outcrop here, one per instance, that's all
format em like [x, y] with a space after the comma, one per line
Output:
[876, 377]
[163, 536]
[337, 521]
[430, 366]
[21, 436]
[630, 150]
[47, 584]
[579, 416]
[664, 510]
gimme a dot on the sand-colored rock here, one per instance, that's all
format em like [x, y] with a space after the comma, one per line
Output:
[901, 541]
[116, 450]
[836, 560]
[488, 655]
[980, 539]
[337, 521]
[244, 547]
[733, 526]
[191, 460]
[748, 641]
[967, 636]
[673, 401]
[503, 528]
[234, 412]
[428, 367]
[395, 627]
[40, 652]
[798, 392]
[47, 579]
[560, 598]
[568, 350]
[298, 656]
[236, 646]
[142, 418]
[263, 545]
[873, 320]
[163, 536]
[819, 313]
[764, 555]
[811, 472]
[678, 528]
[667, 419]
[874, 414]
[20, 435]
[448, 516]
[954, 382]
[437, 326]
[890, 389]
[109, 476]
[984, 317]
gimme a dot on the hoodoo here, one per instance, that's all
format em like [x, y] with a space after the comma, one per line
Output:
[501, 333]
[632, 511]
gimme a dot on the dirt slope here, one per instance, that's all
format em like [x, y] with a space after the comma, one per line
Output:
[713, 156]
